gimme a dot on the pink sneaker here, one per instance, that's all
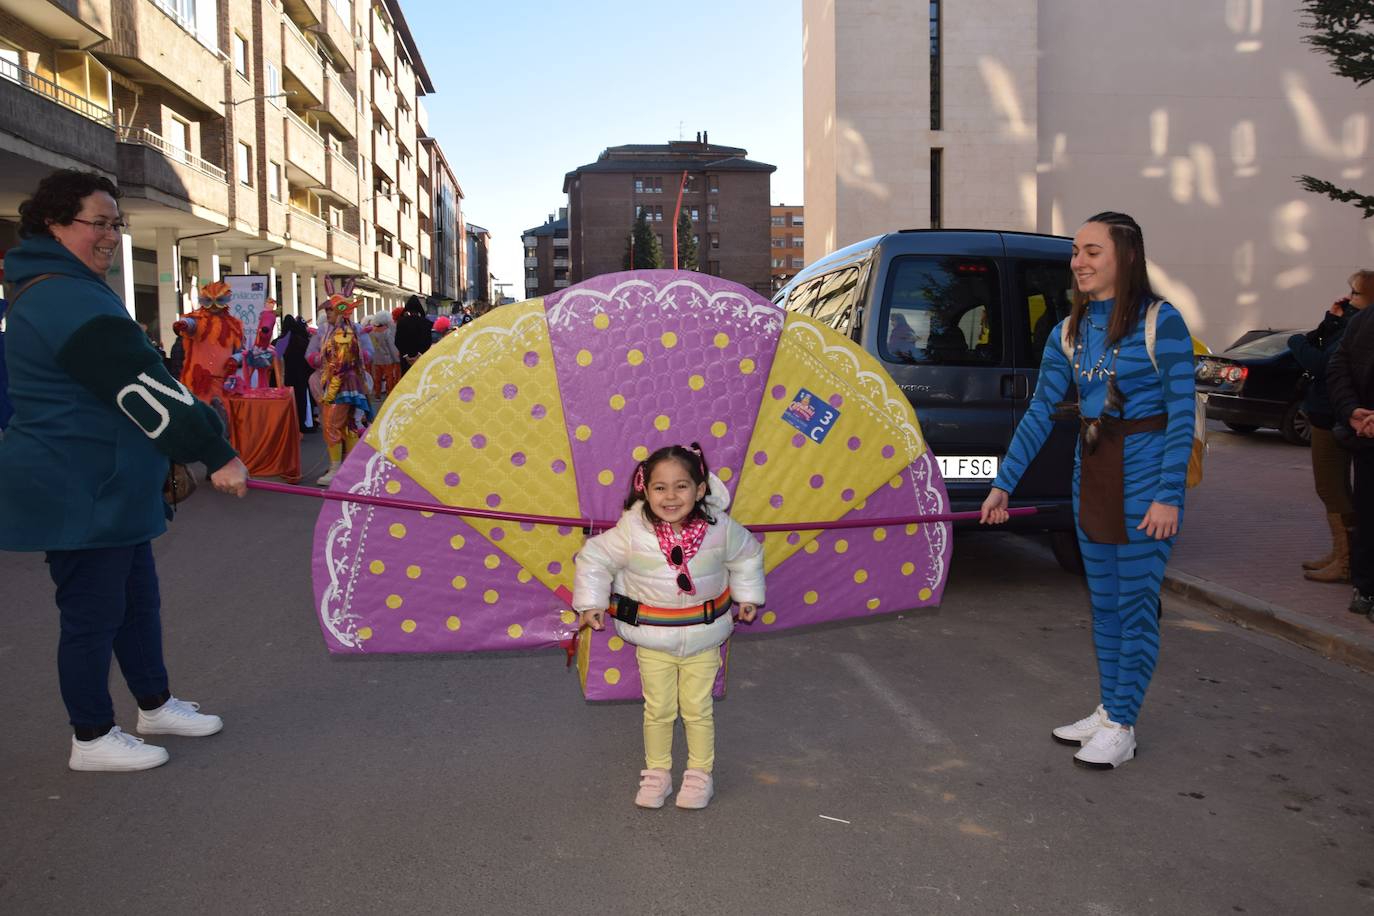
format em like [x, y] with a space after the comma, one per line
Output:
[697, 789]
[654, 788]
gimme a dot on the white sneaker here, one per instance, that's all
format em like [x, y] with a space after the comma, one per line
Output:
[1111, 746]
[178, 717]
[115, 752]
[327, 477]
[1080, 731]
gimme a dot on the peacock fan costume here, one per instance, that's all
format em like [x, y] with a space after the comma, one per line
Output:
[341, 352]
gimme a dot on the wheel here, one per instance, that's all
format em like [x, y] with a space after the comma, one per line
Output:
[1294, 426]
[1066, 551]
[1243, 428]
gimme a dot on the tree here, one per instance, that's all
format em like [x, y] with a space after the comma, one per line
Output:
[686, 245]
[1344, 31]
[642, 251]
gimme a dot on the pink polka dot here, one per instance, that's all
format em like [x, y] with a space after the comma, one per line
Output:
[479, 441]
[508, 391]
[760, 458]
[400, 453]
[817, 481]
[793, 538]
[518, 459]
[444, 441]
[527, 526]
[554, 568]
[798, 440]
[531, 358]
[564, 531]
[847, 495]
[497, 534]
[558, 466]
[836, 401]
[779, 392]
[854, 443]
[775, 500]
[451, 479]
[888, 451]
[493, 500]
[466, 393]
[539, 411]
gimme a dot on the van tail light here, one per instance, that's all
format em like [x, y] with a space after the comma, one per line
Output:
[1233, 374]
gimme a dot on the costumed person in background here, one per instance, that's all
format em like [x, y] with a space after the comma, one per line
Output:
[341, 352]
[669, 572]
[386, 359]
[442, 325]
[210, 339]
[97, 418]
[412, 333]
[1130, 467]
[257, 364]
[291, 347]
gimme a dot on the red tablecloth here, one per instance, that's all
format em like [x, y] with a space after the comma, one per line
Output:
[267, 434]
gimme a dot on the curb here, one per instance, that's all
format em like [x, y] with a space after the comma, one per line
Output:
[1248, 611]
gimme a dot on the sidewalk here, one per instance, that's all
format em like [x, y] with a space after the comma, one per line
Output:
[1246, 530]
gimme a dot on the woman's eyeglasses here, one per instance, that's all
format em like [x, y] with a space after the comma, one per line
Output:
[684, 579]
[101, 225]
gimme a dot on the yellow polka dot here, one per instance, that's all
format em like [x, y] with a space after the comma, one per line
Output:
[768, 617]
[696, 383]
[567, 616]
[397, 530]
[811, 597]
[880, 534]
[377, 566]
[912, 529]
[457, 542]
[426, 515]
[924, 594]
[896, 482]
[601, 322]
[412, 572]
[873, 604]
[524, 575]
[615, 644]
[453, 623]
[722, 340]
[408, 625]
[812, 546]
[515, 631]
[460, 582]
[669, 339]
[719, 428]
[746, 366]
[490, 596]
[365, 633]
[617, 402]
[908, 568]
[584, 358]
[661, 422]
[393, 601]
[640, 453]
[393, 487]
[612, 675]
[583, 433]
[841, 545]
[725, 474]
[634, 357]
[491, 561]
[861, 576]
[606, 477]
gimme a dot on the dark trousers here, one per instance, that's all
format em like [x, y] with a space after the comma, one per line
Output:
[1362, 550]
[109, 604]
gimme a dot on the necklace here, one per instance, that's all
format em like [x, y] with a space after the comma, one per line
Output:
[1097, 371]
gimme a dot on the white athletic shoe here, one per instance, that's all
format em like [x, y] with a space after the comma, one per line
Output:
[115, 752]
[178, 717]
[1082, 730]
[1111, 746]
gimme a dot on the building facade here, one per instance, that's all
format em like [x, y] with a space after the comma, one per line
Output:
[547, 259]
[444, 223]
[478, 290]
[786, 238]
[1029, 115]
[269, 136]
[725, 194]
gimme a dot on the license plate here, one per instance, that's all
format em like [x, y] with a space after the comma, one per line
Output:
[968, 467]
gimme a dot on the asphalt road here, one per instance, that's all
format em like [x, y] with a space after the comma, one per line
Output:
[902, 765]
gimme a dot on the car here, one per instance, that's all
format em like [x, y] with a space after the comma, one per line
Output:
[959, 319]
[1257, 383]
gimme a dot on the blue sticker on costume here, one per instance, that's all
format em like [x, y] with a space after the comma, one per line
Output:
[811, 415]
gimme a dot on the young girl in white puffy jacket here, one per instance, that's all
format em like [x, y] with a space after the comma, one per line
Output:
[669, 572]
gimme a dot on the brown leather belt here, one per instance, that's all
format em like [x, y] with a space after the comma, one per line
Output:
[1102, 473]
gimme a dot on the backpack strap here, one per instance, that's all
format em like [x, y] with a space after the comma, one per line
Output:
[1064, 343]
[26, 287]
[1151, 325]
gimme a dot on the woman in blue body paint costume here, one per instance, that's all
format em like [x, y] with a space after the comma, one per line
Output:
[1129, 469]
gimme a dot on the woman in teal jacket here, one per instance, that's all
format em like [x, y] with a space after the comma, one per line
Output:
[96, 420]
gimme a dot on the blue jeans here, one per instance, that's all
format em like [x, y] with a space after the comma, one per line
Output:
[110, 605]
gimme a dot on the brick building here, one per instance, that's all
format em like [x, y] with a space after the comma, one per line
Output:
[726, 197]
[547, 261]
[269, 136]
[785, 235]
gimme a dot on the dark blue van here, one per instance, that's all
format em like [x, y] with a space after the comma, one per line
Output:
[960, 318]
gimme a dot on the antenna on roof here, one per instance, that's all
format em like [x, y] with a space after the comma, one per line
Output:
[679, 130]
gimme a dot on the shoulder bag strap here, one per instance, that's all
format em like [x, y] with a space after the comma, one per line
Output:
[26, 287]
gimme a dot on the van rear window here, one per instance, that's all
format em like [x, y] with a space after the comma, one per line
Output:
[942, 310]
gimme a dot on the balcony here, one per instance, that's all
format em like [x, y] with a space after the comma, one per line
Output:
[302, 61]
[386, 216]
[342, 179]
[339, 105]
[305, 152]
[387, 269]
[338, 32]
[384, 98]
[344, 249]
[148, 163]
[384, 156]
[153, 43]
[276, 218]
[410, 277]
[55, 119]
[383, 42]
[561, 284]
[309, 233]
[531, 262]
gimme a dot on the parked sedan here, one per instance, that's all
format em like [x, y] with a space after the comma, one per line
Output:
[1256, 384]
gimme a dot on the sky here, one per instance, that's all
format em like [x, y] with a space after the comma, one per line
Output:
[527, 92]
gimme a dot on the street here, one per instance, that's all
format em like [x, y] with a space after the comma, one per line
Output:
[900, 765]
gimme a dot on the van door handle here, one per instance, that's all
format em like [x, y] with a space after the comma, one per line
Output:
[1015, 387]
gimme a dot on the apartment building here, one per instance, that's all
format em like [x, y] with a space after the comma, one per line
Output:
[443, 220]
[547, 259]
[270, 136]
[725, 194]
[479, 291]
[786, 237]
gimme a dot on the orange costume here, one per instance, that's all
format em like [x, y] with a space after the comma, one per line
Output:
[210, 337]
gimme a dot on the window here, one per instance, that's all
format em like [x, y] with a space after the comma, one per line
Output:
[274, 84]
[658, 213]
[797, 220]
[531, 251]
[1048, 290]
[715, 239]
[245, 164]
[713, 268]
[835, 295]
[712, 184]
[694, 213]
[639, 185]
[797, 262]
[941, 310]
[405, 206]
[793, 242]
[937, 178]
[658, 184]
[779, 221]
[691, 186]
[778, 241]
[178, 133]
[660, 241]
[935, 114]
[384, 244]
[643, 210]
[405, 254]
[779, 262]
[712, 214]
[240, 54]
[274, 180]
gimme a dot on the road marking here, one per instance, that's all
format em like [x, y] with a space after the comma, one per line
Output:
[920, 728]
[838, 820]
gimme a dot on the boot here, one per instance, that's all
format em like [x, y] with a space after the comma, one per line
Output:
[1338, 570]
[1334, 522]
[335, 462]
